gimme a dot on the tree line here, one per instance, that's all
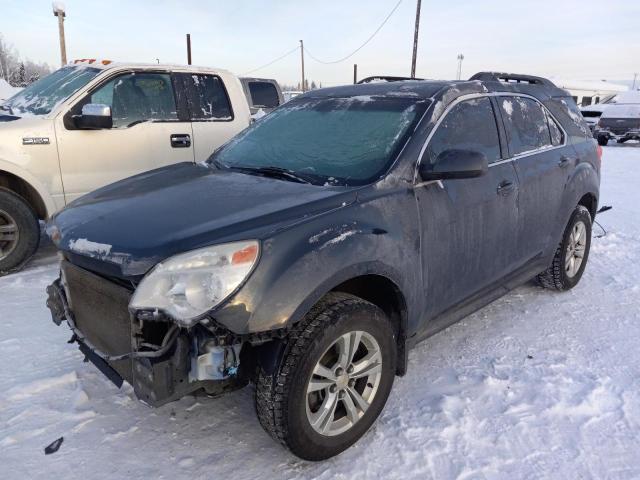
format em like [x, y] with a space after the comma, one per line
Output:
[16, 71]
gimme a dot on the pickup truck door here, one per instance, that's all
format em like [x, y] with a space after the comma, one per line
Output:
[213, 120]
[150, 130]
[468, 225]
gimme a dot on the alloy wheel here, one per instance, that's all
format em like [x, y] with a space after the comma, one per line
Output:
[344, 383]
[575, 249]
[9, 234]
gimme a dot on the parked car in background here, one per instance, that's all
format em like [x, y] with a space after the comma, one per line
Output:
[312, 251]
[620, 120]
[291, 94]
[94, 122]
[262, 94]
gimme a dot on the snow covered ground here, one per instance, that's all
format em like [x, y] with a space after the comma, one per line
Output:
[537, 385]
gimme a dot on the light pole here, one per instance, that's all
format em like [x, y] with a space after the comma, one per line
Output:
[58, 11]
[460, 59]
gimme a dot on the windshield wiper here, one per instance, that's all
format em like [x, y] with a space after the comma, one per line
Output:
[274, 172]
[7, 108]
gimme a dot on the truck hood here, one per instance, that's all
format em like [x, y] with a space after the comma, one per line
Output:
[124, 229]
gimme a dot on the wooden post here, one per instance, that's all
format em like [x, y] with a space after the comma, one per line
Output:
[302, 59]
[415, 41]
[188, 49]
[355, 73]
[63, 46]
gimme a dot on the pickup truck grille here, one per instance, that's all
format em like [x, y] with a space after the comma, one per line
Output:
[619, 126]
[100, 311]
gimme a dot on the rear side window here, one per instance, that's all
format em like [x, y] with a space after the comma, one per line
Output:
[207, 98]
[526, 124]
[557, 137]
[263, 94]
[470, 125]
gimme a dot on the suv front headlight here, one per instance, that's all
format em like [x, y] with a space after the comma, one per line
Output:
[190, 284]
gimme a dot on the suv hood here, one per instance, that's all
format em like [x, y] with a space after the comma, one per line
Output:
[124, 229]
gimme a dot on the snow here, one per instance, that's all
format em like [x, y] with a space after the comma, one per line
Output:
[536, 385]
[87, 247]
[6, 90]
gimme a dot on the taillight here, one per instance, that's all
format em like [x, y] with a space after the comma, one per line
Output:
[599, 150]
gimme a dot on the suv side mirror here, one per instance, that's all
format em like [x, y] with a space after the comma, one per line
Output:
[95, 116]
[454, 163]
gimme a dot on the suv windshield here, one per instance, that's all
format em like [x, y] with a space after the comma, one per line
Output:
[41, 97]
[346, 141]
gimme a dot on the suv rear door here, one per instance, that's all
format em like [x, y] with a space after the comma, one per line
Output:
[544, 161]
[468, 225]
[148, 132]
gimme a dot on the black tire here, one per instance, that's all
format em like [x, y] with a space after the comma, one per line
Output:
[556, 277]
[15, 209]
[603, 140]
[281, 397]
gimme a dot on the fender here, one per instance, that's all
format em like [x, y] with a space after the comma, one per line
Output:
[40, 189]
[584, 180]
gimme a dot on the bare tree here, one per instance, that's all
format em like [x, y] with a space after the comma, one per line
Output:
[19, 72]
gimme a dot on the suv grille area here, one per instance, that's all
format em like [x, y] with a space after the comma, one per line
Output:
[101, 313]
[619, 126]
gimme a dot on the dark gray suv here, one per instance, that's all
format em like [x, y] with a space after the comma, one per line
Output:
[312, 251]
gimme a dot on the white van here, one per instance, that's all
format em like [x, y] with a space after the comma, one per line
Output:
[95, 122]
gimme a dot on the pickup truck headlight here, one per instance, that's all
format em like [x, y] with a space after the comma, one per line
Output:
[188, 285]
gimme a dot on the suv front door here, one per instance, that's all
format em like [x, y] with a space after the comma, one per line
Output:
[148, 132]
[468, 225]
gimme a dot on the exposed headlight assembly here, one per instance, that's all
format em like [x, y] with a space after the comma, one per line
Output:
[188, 285]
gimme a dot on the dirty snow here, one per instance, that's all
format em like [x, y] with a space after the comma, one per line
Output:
[537, 385]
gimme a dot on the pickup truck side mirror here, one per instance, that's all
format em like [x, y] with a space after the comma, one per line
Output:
[454, 163]
[95, 116]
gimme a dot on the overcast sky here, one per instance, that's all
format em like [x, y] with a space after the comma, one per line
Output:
[582, 40]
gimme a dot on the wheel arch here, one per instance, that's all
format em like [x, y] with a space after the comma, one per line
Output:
[590, 202]
[27, 192]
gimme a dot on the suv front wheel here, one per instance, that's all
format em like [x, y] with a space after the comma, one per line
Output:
[19, 232]
[333, 379]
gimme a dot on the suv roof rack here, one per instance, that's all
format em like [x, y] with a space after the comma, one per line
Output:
[512, 78]
[385, 78]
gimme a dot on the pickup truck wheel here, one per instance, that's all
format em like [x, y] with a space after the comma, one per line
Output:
[333, 379]
[603, 140]
[571, 257]
[19, 232]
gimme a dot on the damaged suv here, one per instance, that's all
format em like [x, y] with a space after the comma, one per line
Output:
[313, 250]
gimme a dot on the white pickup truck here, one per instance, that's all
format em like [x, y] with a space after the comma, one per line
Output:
[94, 122]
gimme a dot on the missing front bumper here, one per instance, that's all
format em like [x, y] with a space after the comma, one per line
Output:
[156, 358]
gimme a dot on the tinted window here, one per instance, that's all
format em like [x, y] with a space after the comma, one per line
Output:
[526, 124]
[470, 125]
[263, 94]
[586, 101]
[207, 98]
[346, 141]
[138, 97]
[557, 137]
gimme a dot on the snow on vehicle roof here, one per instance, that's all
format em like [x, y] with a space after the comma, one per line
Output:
[109, 64]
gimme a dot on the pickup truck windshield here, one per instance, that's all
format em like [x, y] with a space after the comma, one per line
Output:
[41, 97]
[341, 141]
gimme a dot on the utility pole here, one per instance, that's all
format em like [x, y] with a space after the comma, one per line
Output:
[460, 59]
[188, 49]
[355, 73]
[415, 41]
[302, 58]
[58, 11]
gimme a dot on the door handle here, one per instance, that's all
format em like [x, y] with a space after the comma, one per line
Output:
[506, 187]
[565, 161]
[180, 140]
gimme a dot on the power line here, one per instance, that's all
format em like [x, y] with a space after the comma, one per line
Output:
[272, 61]
[361, 46]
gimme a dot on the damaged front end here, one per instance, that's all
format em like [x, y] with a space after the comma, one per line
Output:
[162, 360]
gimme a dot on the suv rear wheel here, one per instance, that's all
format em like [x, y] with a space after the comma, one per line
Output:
[333, 379]
[19, 232]
[571, 257]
